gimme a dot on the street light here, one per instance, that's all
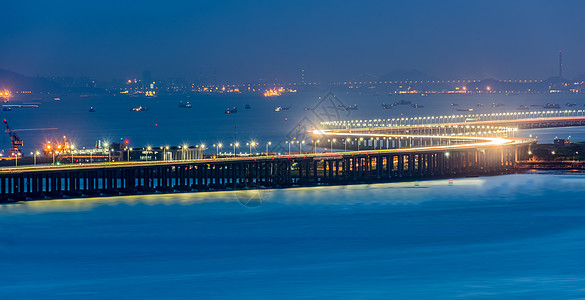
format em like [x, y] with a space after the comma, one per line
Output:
[72, 148]
[358, 144]
[251, 144]
[35, 157]
[267, 144]
[217, 146]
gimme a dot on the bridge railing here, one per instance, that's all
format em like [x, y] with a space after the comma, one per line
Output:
[447, 119]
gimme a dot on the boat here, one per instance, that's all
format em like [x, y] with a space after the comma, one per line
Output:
[354, 107]
[140, 108]
[57, 99]
[551, 106]
[479, 105]
[7, 108]
[247, 106]
[306, 108]
[465, 109]
[386, 106]
[497, 104]
[523, 107]
[232, 110]
[570, 104]
[280, 108]
[184, 105]
[454, 104]
[91, 109]
[402, 102]
[416, 106]
[534, 105]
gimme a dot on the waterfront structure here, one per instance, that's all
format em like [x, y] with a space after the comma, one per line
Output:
[373, 154]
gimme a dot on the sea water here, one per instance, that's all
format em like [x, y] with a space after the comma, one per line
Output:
[513, 236]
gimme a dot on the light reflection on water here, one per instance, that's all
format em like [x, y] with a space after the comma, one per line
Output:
[502, 236]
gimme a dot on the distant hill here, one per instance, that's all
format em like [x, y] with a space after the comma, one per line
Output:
[399, 75]
[18, 82]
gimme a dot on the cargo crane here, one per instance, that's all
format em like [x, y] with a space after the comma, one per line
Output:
[15, 140]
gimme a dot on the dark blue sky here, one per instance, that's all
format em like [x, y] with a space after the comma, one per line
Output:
[331, 40]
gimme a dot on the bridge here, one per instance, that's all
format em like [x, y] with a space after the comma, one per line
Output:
[362, 155]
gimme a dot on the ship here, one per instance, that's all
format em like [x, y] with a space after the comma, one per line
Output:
[280, 108]
[184, 105]
[354, 107]
[523, 107]
[140, 108]
[386, 106]
[402, 102]
[416, 106]
[465, 109]
[91, 109]
[232, 110]
[551, 106]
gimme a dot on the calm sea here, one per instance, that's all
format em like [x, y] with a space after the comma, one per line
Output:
[513, 236]
[504, 237]
[206, 123]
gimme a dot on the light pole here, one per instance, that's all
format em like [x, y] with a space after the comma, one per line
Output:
[346, 140]
[35, 157]
[217, 146]
[16, 155]
[361, 139]
[300, 143]
[148, 152]
[129, 149]
[72, 148]
[267, 144]
[288, 146]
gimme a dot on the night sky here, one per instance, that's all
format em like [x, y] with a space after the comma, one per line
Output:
[332, 40]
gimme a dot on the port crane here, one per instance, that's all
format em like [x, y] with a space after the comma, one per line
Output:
[15, 140]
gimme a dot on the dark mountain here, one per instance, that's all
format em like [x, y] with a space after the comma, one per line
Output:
[18, 82]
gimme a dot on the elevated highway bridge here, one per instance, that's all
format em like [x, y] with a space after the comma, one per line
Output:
[362, 155]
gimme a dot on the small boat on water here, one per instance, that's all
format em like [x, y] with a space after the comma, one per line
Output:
[497, 104]
[247, 106]
[465, 109]
[7, 108]
[416, 106]
[57, 99]
[454, 104]
[184, 105]
[232, 110]
[551, 106]
[570, 104]
[523, 107]
[307, 108]
[354, 107]
[280, 108]
[402, 102]
[91, 109]
[386, 106]
[140, 108]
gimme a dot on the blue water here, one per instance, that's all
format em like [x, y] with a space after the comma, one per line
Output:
[503, 237]
[206, 123]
